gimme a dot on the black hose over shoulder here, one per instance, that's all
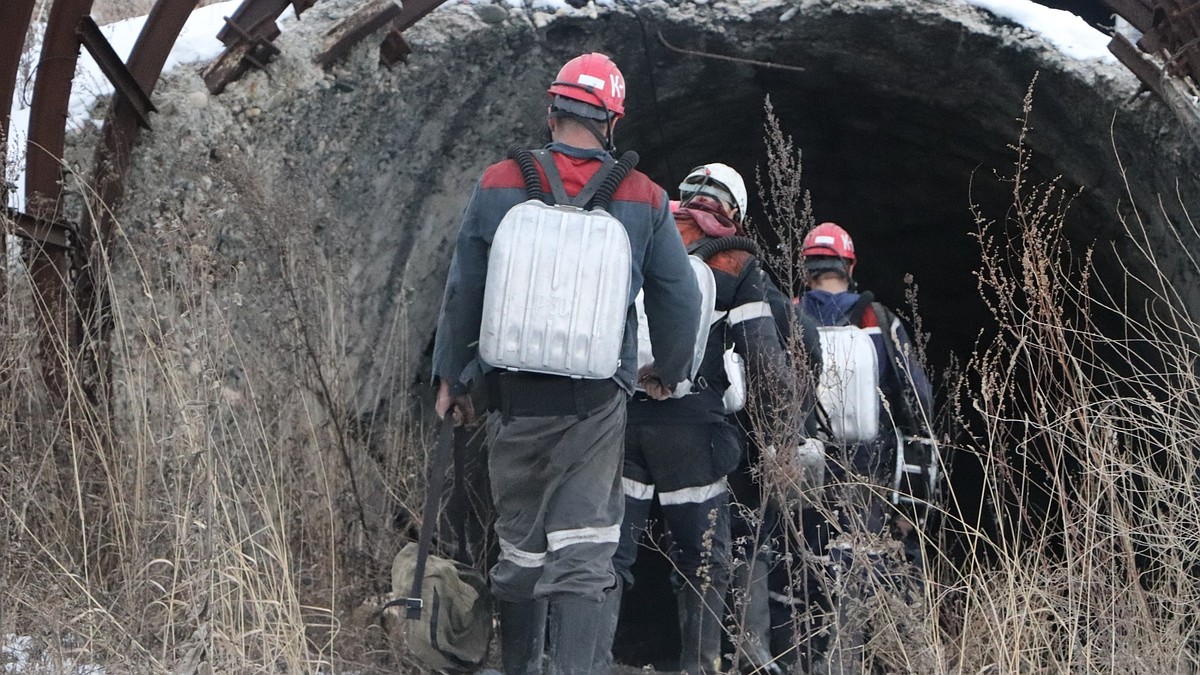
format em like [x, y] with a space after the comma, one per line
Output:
[529, 172]
[608, 187]
[736, 242]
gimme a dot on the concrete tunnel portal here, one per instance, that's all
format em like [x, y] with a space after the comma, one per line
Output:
[904, 112]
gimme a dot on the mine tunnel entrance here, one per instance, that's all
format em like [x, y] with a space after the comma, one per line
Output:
[900, 176]
[901, 171]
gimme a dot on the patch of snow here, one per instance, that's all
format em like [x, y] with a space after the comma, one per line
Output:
[1068, 32]
[197, 42]
[18, 654]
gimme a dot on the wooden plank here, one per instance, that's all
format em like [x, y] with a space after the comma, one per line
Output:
[367, 19]
[1135, 60]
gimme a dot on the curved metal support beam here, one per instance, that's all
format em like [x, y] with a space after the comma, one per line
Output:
[50, 266]
[121, 126]
[48, 114]
[14, 24]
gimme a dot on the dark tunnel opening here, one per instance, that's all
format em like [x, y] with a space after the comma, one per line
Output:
[903, 167]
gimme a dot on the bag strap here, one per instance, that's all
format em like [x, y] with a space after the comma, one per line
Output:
[433, 499]
[695, 245]
[556, 183]
[909, 417]
[460, 497]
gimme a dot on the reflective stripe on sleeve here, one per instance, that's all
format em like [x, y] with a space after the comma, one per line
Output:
[692, 495]
[636, 490]
[584, 535]
[749, 311]
[514, 555]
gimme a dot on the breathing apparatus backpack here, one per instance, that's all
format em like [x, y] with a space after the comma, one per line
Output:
[709, 319]
[708, 297]
[559, 272]
[848, 386]
[849, 394]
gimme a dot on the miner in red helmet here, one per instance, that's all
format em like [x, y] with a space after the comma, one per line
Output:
[875, 399]
[555, 441]
[589, 90]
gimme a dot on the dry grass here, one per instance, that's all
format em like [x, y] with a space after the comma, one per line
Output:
[218, 499]
[1088, 444]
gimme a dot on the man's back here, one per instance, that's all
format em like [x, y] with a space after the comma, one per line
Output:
[658, 263]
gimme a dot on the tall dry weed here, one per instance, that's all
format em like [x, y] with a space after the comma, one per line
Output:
[218, 499]
[1083, 412]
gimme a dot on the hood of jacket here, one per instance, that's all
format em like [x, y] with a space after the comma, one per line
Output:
[828, 309]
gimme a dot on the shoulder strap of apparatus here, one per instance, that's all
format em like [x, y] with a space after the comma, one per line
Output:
[908, 416]
[854, 315]
[695, 245]
[559, 191]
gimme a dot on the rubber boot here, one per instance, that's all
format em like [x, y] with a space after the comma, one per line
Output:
[575, 625]
[846, 640]
[755, 639]
[700, 617]
[847, 634]
[603, 660]
[522, 636]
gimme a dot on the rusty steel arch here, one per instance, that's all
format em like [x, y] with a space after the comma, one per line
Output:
[60, 253]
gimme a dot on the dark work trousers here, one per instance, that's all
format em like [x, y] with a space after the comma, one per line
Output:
[686, 465]
[845, 556]
[556, 484]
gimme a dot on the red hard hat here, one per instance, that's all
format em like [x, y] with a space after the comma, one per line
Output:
[828, 240]
[592, 79]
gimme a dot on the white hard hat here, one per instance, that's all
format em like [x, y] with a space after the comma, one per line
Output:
[719, 181]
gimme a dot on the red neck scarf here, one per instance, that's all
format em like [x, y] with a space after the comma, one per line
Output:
[713, 224]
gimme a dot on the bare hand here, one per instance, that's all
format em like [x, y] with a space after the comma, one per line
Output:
[653, 386]
[464, 409]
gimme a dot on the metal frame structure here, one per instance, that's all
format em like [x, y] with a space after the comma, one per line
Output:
[1170, 32]
[71, 295]
[58, 252]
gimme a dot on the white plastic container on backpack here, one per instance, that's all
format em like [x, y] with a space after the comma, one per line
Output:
[557, 292]
[704, 311]
[848, 388]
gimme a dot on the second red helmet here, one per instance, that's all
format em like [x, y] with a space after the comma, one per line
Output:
[592, 79]
[829, 240]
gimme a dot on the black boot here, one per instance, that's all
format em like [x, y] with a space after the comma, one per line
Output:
[700, 617]
[522, 636]
[751, 579]
[575, 624]
[603, 660]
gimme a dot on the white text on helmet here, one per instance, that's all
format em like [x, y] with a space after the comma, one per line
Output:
[618, 85]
